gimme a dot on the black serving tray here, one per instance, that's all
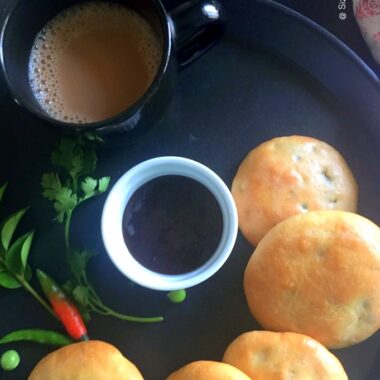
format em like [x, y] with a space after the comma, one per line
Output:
[275, 73]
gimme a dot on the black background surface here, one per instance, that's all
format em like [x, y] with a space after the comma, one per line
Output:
[236, 96]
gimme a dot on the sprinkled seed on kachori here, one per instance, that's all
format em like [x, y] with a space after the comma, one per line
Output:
[318, 274]
[287, 176]
[265, 355]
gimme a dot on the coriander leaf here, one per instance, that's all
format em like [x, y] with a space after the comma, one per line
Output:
[8, 228]
[89, 136]
[88, 186]
[68, 156]
[8, 281]
[51, 185]
[103, 184]
[2, 190]
[77, 155]
[77, 164]
[65, 202]
[89, 160]
[81, 295]
[93, 137]
[92, 187]
[85, 313]
[17, 255]
[78, 261]
[69, 286]
[60, 217]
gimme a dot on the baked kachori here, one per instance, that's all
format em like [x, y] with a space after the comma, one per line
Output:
[208, 370]
[287, 176]
[91, 360]
[266, 355]
[318, 274]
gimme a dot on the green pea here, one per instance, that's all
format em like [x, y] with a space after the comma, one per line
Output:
[9, 360]
[177, 296]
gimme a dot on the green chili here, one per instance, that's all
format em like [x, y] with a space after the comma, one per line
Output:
[48, 337]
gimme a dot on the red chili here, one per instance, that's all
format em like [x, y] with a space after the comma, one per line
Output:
[65, 309]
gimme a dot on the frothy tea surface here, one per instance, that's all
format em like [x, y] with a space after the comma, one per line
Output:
[92, 61]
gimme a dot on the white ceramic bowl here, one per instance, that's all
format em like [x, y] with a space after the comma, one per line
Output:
[118, 198]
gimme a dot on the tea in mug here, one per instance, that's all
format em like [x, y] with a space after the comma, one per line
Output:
[93, 61]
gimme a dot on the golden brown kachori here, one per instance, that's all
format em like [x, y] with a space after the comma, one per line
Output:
[287, 176]
[265, 355]
[318, 274]
[208, 370]
[92, 360]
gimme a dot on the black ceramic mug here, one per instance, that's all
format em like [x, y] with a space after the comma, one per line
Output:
[186, 32]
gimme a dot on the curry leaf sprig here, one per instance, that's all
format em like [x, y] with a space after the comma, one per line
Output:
[67, 189]
[15, 271]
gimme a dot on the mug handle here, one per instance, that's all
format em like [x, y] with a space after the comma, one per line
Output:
[197, 25]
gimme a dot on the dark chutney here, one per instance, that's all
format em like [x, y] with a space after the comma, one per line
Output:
[172, 224]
